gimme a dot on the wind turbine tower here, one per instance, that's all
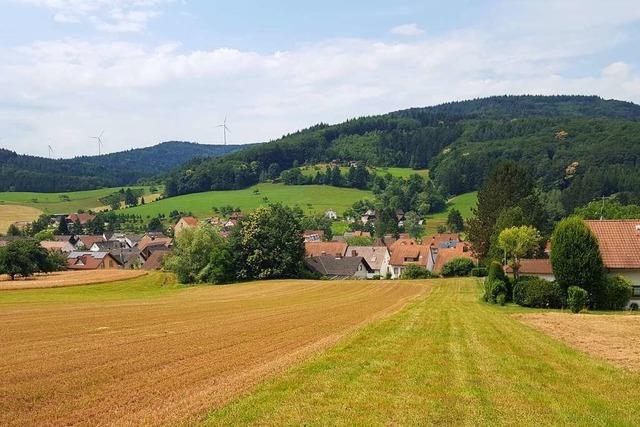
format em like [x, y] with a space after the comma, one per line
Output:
[225, 129]
[99, 139]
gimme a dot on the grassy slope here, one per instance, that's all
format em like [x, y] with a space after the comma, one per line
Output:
[311, 198]
[12, 213]
[51, 203]
[445, 359]
[463, 202]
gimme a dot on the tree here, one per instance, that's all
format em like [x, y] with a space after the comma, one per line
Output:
[575, 256]
[518, 242]
[43, 235]
[455, 221]
[268, 244]
[412, 225]
[155, 225]
[507, 186]
[130, 199]
[200, 255]
[25, 257]
[13, 230]
[63, 227]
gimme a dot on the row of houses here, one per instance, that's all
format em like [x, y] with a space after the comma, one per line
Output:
[112, 250]
[387, 256]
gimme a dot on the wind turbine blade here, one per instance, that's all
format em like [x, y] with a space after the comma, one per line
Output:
[101, 133]
[227, 129]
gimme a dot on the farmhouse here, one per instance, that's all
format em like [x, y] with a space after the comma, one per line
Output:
[408, 254]
[313, 235]
[619, 242]
[92, 261]
[81, 218]
[334, 249]
[154, 261]
[184, 223]
[376, 256]
[446, 254]
[339, 268]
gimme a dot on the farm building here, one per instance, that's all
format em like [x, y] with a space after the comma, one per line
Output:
[184, 223]
[92, 261]
[534, 267]
[334, 249]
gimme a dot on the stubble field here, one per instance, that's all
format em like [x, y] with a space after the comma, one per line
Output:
[76, 356]
[68, 278]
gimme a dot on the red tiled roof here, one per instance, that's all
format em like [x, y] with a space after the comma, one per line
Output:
[83, 218]
[154, 262]
[619, 242]
[88, 240]
[150, 241]
[325, 248]
[440, 238]
[533, 266]
[189, 220]
[447, 254]
[410, 254]
[401, 242]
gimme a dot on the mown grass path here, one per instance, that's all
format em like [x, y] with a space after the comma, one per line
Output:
[445, 359]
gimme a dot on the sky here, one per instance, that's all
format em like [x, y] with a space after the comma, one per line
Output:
[147, 71]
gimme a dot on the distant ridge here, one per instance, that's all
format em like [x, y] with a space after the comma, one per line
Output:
[30, 173]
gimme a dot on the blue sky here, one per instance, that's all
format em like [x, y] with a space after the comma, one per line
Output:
[146, 71]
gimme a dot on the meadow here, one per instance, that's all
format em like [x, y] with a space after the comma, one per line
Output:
[464, 203]
[310, 198]
[149, 352]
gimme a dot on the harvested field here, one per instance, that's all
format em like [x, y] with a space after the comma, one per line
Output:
[171, 358]
[14, 213]
[68, 278]
[615, 338]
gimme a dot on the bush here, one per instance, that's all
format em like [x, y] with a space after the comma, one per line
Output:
[479, 272]
[496, 272]
[616, 293]
[537, 292]
[457, 267]
[501, 299]
[577, 298]
[493, 289]
[633, 306]
[413, 271]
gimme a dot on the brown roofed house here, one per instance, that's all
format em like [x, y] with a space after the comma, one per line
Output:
[376, 256]
[184, 223]
[92, 261]
[82, 218]
[339, 268]
[407, 254]
[446, 254]
[334, 249]
[534, 267]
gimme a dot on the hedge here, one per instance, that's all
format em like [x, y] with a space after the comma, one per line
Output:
[537, 292]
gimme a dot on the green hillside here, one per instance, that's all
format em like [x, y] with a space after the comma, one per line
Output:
[311, 198]
[52, 203]
[311, 170]
[464, 203]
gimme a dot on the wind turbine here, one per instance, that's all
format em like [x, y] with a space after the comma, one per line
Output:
[50, 150]
[99, 139]
[225, 129]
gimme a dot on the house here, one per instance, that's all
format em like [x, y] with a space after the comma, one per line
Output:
[393, 244]
[406, 254]
[127, 240]
[184, 223]
[442, 240]
[154, 261]
[377, 257]
[55, 245]
[331, 214]
[334, 249]
[92, 261]
[313, 235]
[368, 216]
[82, 218]
[534, 267]
[446, 254]
[619, 242]
[129, 258]
[106, 246]
[154, 239]
[339, 268]
[82, 242]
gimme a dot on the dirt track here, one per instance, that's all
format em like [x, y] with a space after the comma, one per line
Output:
[170, 359]
[615, 338]
[68, 278]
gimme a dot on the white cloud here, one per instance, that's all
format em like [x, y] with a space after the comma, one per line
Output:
[407, 30]
[115, 16]
[61, 91]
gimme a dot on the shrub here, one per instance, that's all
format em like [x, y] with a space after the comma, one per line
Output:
[413, 271]
[457, 267]
[501, 299]
[479, 272]
[616, 293]
[576, 298]
[575, 256]
[537, 292]
[633, 306]
[493, 289]
[496, 272]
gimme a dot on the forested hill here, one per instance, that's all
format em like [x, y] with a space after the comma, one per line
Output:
[583, 146]
[30, 173]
